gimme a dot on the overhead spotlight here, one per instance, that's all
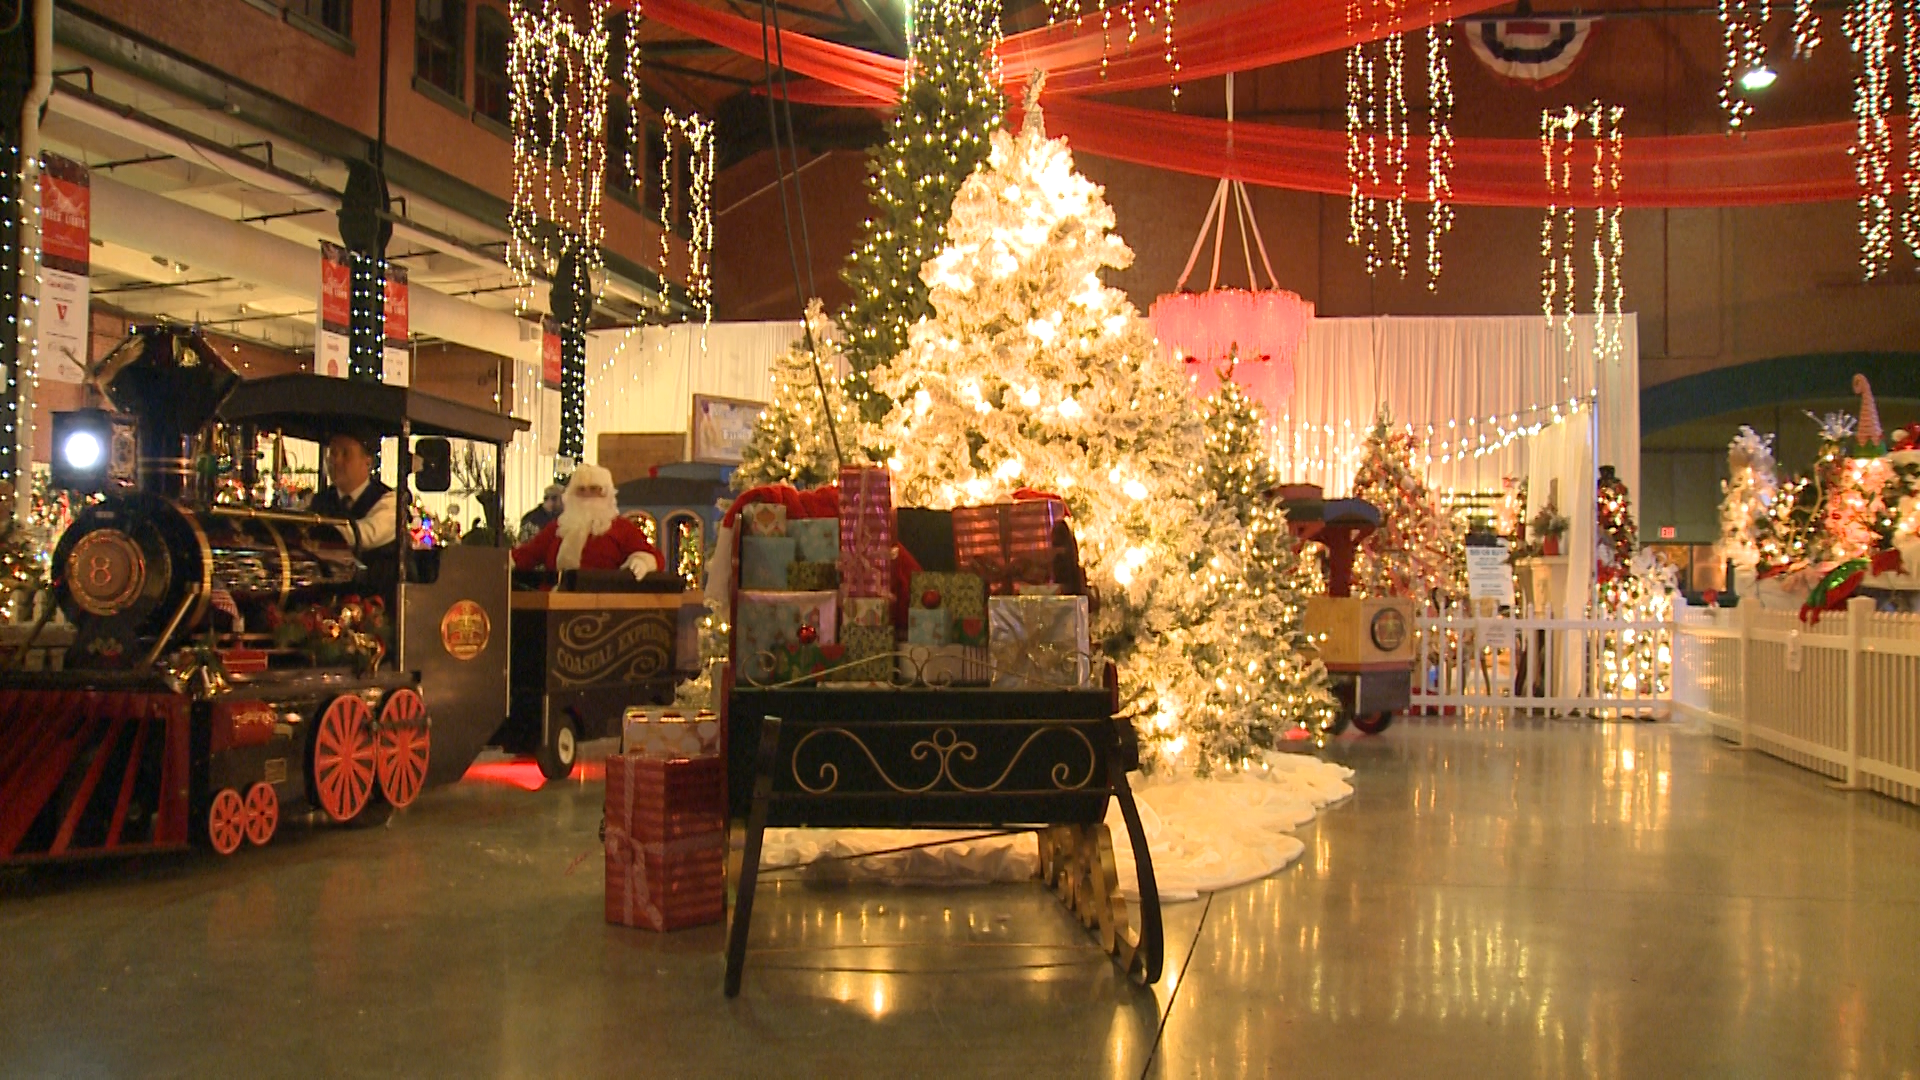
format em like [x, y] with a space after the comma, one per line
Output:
[1758, 77]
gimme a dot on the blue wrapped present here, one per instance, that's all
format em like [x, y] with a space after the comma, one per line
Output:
[764, 561]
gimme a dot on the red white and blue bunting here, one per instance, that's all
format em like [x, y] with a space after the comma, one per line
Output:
[1533, 52]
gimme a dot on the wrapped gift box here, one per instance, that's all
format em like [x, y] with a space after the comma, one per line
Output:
[767, 624]
[1008, 543]
[1039, 642]
[866, 530]
[764, 519]
[667, 734]
[666, 842]
[815, 539]
[946, 665]
[813, 576]
[962, 597]
[927, 627]
[868, 656]
[866, 611]
[764, 561]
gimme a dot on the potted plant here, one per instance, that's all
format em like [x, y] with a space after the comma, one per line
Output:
[1549, 527]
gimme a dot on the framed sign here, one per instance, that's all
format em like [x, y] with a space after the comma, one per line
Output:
[721, 428]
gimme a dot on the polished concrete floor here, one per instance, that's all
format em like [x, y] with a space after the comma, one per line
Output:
[1543, 899]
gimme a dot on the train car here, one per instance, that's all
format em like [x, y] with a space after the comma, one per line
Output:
[175, 715]
[1366, 643]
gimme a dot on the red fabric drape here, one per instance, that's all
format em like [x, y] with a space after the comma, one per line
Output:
[1213, 37]
[872, 76]
[1760, 167]
[1756, 167]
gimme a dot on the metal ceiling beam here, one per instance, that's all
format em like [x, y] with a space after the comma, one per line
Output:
[895, 44]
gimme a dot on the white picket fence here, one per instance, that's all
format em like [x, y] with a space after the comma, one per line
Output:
[1605, 668]
[1841, 697]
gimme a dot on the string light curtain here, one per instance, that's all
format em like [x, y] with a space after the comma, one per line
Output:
[558, 68]
[690, 146]
[1595, 167]
[1889, 187]
[1381, 138]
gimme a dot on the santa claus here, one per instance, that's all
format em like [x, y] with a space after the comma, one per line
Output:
[589, 534]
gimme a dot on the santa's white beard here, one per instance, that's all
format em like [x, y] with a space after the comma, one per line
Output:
[580, 520]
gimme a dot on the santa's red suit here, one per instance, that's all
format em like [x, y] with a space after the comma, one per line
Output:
[607, 551]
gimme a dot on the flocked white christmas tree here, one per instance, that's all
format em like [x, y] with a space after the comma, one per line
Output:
[1031, 373]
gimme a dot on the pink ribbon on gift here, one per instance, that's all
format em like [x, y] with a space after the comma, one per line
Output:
[869, 505]
[622, 844]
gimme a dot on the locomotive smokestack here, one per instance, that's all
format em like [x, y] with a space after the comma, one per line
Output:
[173, 382]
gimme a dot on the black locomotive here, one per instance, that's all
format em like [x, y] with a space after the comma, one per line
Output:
[176, 712]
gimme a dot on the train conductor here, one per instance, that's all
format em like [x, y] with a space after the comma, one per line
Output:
[353, 492]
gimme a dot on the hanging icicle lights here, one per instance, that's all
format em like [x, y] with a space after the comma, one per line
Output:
[21, 298]
[1379, 140]
[1154, 13]
[1871, 27]
[560, 88]
[1741, 23]
[695, 133]
[1559, 229]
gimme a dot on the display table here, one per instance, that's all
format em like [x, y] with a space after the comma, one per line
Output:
[948, 758]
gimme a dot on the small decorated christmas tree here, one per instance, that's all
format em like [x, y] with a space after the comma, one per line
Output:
[1619, 536]
[948, 109]
[792, 442]
[1746, 497]
[1407, 555]
[1274, 686]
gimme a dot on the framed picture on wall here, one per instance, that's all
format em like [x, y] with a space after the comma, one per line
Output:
[721, 428]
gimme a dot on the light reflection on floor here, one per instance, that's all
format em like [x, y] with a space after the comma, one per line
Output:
[1499, 898]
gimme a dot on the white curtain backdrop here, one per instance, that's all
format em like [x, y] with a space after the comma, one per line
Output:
[1471, 390]
[640, 380]
[1485, 398]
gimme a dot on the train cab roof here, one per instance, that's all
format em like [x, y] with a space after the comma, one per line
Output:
[308, 406]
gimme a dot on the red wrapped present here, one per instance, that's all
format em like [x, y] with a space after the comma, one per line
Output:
[1008, 544]
[866, 531]
[666, 841]
[666, 886]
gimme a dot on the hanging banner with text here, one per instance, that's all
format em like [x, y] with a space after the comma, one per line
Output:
[1490, 591]
[333, 340]
[398, 354]
[66, 242]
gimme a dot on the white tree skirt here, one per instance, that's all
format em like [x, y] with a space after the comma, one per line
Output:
[1204, 835]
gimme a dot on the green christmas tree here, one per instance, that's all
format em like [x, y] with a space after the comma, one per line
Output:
[948, 110]
[1277, 685]
[792, 443]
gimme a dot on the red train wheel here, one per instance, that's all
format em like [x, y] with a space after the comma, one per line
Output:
[343, 758]
[400, 753]
[263, 813]
[226, 821]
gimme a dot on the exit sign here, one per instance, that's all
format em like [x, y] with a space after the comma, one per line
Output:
[1666, 532]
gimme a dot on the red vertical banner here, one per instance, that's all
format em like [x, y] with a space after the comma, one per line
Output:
[397, 354]
[66, 247]
[549, 353]
[330, 345]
